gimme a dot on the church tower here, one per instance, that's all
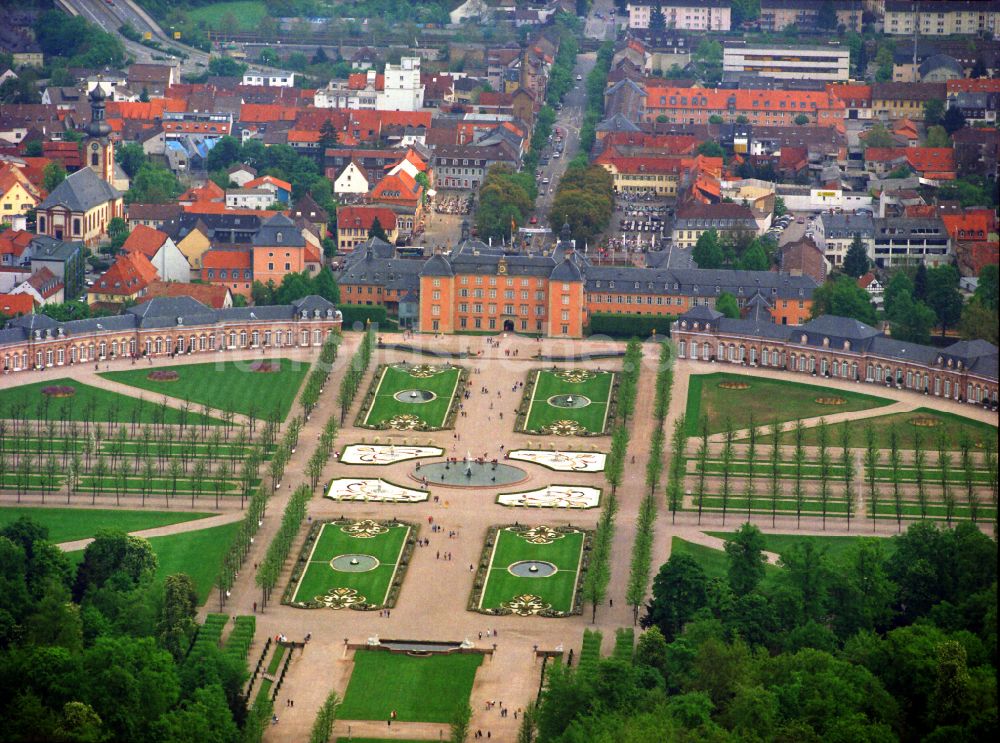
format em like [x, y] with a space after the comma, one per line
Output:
[98, 150]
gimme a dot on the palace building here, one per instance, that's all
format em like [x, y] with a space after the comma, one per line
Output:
[164, 326]
[482, 287]
[841, 348]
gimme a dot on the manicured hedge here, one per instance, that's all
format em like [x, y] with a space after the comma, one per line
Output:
[362, 313]
[628, 326]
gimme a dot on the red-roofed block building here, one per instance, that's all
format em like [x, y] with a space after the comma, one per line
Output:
[928, 162]
[127, 280]
[354, 223]
[15, 247]
[43, 286]
[18, 195]
[232, 269]
[216, 296]
[161, 251]
[404, 196]
[771, 107]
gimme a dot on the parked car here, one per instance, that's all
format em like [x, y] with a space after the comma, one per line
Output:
[533, 220]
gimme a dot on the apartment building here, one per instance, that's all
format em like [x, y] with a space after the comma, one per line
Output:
[708, 15]
[952, 18]
[836, 232]
[771, 107]
[830, 63]
[777, 15]
[911, 240]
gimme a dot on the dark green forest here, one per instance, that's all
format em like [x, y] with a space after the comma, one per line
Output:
[100, 652]
[893, 642]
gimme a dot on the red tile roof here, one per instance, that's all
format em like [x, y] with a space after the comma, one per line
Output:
[14, 242]
[746, 100]
[973, 226]
[152, 109]
[258, 182]
[398, 187]
[846, 92]
[210, 192]
[364, 216]
[227, 259]
[980, 85]
[128, 275]
[210, 295]
[262, 112]
[359, 81]
[12, 305]
[145, 240]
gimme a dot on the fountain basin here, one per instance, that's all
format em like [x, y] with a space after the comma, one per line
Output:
[568, 401]
[471, 474]
[415, 396]
[532, 569]
[354, 563]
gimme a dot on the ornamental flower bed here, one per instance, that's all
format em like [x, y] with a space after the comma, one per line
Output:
[734, 385]
[266, 367]
[831, 401]
[59, 390]
[163, 375]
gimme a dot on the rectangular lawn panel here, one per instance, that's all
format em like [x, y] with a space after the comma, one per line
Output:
[395, 378]
[70, 524]
[557, 589]
[769, 400]
[106, 405]
[319, 577]
[713, 561]
[836, 548]
[222, 385]
[549, 384]
[419, 689]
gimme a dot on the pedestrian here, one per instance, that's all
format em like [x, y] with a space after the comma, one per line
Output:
[254, 607]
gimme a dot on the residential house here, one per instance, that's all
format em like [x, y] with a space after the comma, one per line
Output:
[804, 258]
[836, 232]
[352, 179]
[164, 255]
[80, 208]
[466, 166]
[278, 249]
[64, 259]
[977, 152]
[904, 100]
[43, 286]
[876, 290]
[127, 280]
[355, 222]
[16, 247]
[281, 191]
[241, 174]
[18, 195]
[952, 18]
[804, 15]
[401, 193]
[771, 107]
[249, 198]
[268, 79]
[15, 305]
[153, 79]
[158, 216]
[306, 208]
[826, 63]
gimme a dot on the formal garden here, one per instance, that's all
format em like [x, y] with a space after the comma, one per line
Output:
[431, 687]
[531, 571]
[258, 387]
[567, 402]
[351, 565]
[413, 397]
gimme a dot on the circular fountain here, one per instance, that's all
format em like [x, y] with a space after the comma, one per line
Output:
[354, 563]
[532, 569]
[415, 396]
[569, 401]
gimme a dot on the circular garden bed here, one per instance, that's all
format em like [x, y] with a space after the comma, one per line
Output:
[266, 367]
[734, 385]
[59, 390]
[831, 401]
[163, 375]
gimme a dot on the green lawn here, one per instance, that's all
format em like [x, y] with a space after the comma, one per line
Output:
[69, 524]
[226, 384]
[557, 589]
[419, 689]
[548, 384]
[319, 577]
[197, 553]
[836, 547]
[396, 378]
[951, 425]
[714, 562]
[106, 406]
[768, 400]
[246, 13]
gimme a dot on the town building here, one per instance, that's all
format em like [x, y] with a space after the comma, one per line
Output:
[126, 281]
[64, 259]
[694, 105]
[835, 233]
[708, 15]
[729, 220]
[355, 222]
[828, 63]
[833, 347]
[909, 240]
[165, 327]
[952, 18]
[777, 15]
[164, 255]
[876, 290]
[403, 90]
